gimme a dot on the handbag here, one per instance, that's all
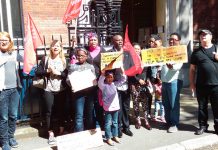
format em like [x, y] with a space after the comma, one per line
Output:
[39, 82]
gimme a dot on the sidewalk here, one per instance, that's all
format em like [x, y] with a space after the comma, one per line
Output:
[156, 139]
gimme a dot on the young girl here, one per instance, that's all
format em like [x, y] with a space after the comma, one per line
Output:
[110, 104]
[158, 100]
[83, 99]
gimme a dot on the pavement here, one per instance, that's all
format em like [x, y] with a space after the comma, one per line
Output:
[29, 138]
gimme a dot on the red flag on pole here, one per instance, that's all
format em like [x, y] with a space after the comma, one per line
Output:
[73, 10]
[136, 67]
[32, 41]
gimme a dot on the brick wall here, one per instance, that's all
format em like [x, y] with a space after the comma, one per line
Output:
[205, 15]
[47, 16]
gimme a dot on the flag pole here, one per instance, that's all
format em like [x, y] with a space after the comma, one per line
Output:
[75, 33]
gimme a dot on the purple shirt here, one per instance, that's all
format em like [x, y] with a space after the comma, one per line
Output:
[109, 93]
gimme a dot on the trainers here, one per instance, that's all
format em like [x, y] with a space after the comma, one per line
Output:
[6, 146]
[13, 143]
[172, 129]
[51, 140]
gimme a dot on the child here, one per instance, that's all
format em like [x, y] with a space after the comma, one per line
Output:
[158, 100]
[110, 104]
[83, 99]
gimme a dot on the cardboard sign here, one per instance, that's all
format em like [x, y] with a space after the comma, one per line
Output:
[80, 80]
[163, 55]
[111, 60]
[80, 140]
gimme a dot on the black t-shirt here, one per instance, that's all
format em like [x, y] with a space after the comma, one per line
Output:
[207, 66]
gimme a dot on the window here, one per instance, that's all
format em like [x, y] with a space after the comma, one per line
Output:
[10, 17]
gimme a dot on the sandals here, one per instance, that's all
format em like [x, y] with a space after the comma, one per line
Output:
[116, 139]
[110, 142]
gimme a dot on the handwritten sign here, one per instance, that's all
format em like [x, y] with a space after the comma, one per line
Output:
[111, 60]
[80, 140]
[163, 55]
[80, 80]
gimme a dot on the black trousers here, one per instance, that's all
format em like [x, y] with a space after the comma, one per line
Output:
[204, 94]
[123, 118]
[54, 102]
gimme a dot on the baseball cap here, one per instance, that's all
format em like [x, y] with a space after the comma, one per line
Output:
[204, 31]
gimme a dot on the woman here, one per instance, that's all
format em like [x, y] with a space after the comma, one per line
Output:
[9, 96]
[139, 91]
[53, 68]
[94, 58]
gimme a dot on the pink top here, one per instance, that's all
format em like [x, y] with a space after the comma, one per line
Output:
[94, 51]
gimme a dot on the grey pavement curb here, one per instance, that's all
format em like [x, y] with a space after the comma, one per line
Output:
[192, 144]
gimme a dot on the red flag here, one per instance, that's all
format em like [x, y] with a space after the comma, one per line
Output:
[32, 41]
[136, 67]
[73, 10]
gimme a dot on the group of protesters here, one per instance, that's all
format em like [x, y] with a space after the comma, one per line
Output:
[106, 104]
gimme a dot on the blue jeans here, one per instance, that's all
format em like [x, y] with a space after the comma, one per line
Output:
[111, 124]
[9, 101]
[171, 97]
[84, 109]
[159, 104]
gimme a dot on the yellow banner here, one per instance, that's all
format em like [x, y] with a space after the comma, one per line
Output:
[163, 55]
[111, 60]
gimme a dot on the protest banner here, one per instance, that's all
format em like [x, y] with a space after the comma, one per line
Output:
[80, 140]
[163, 55]
[111, 60]
[80, 80]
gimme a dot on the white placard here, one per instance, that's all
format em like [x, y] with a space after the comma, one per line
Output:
[80, 140]
[80, 80]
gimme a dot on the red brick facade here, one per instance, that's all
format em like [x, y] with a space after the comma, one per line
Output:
[205, 15]
[47, 16]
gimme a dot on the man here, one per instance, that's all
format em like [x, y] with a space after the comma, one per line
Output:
[171, 87]
[123, 92]
[9, 96]
[204, 60]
